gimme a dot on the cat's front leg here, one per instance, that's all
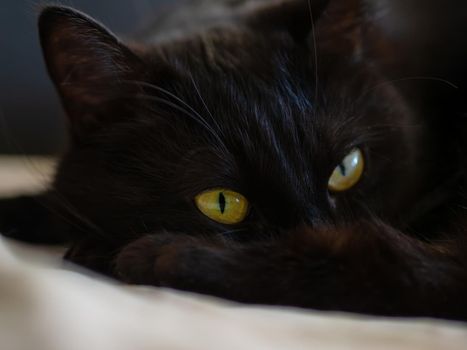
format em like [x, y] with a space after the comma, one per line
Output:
[365, 268]
[293, 271]
[32, 219]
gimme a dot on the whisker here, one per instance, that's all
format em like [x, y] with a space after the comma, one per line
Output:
[414, 78]
[167, 92]
[315, 49]
[194, 114]
[204, 102]
[182, 110]
[71, 215]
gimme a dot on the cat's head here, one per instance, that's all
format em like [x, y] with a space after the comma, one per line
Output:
[263, 109]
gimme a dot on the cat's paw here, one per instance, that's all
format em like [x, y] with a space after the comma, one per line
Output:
[171, 260]
[167, 260]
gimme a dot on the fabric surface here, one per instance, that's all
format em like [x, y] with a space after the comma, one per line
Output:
[45, 305]
[24, 174]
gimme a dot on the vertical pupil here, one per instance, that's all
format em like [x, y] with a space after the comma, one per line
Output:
[343, 169]
[222, 202]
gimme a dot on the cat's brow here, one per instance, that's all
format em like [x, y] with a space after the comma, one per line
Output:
[410, 78]
[191, 112]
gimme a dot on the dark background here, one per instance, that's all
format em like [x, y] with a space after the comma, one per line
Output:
[31, 118]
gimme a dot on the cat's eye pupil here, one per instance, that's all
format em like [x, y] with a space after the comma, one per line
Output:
[342, 169]
[222, 202]
[223, 206]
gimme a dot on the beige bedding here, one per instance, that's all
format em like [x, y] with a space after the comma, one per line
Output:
[46, 306]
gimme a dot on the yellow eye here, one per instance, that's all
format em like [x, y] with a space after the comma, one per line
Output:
[348, 172]
[222, 205]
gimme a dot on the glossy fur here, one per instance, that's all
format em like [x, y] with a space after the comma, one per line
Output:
[265, 102]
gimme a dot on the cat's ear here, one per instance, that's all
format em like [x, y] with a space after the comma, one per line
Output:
[297, 17]
[343, 28]
[90, 67]
[334, 25]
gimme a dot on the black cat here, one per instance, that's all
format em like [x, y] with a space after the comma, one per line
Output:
[263, 157]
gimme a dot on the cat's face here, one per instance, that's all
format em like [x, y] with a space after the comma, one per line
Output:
[244, 109]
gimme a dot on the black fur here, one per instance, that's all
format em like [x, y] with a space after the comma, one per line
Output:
[266, 103]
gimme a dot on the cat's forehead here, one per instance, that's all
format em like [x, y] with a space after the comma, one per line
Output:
[259, 61]
[231, 69]
[254, 81]
[268, 91]
[231, 51]
[231, 65]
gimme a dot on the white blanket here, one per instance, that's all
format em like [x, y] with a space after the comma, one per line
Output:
[47, 306]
